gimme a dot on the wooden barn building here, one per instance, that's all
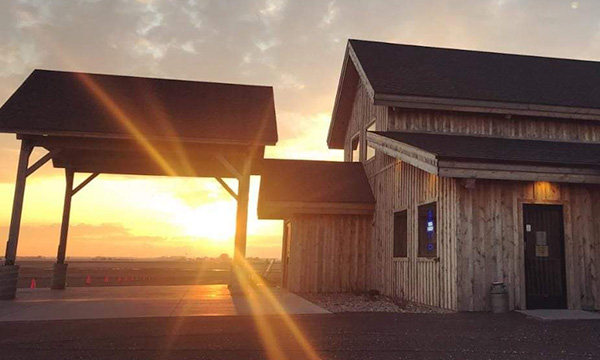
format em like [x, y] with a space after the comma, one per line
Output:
[484, 168]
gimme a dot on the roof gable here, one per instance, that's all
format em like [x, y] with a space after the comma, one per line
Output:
[474, 81]
[109, 106]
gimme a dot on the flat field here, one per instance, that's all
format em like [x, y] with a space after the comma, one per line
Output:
[139, 272]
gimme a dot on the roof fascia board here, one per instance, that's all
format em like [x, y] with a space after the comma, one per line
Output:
[486, 107]
[350, 59]
[480, 170]
[518, 175]
[22, 133]
[361, 71]
[338, 95]
[488, 166]
[410, 154]
[285, 209]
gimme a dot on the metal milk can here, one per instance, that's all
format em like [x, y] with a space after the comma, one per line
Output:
[499, 296]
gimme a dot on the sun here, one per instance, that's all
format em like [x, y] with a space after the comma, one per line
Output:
[214, 221]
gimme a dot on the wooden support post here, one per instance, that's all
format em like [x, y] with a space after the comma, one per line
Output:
[59, 273]
[9, 273]
[241, 220]
[239, 274]
[17, 210]
[64, 227]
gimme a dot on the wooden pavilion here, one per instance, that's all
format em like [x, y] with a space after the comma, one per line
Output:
[91, 123]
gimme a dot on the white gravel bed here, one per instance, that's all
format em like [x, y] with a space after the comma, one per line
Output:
[364, 302]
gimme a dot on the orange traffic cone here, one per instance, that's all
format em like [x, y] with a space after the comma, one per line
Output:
[33, 284]
[88, 280]
[106, 279]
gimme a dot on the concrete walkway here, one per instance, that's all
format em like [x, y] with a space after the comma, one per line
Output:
[148, 301]
[560, 314]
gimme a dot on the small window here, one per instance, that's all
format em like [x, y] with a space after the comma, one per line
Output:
[370, 150]
[428, 230]
[356, 148]
[400, 234]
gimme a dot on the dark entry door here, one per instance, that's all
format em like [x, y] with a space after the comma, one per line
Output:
[544, 257]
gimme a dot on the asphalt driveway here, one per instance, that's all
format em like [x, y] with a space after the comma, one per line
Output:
[332, 336]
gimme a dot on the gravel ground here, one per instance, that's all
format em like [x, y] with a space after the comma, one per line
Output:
[365, 302]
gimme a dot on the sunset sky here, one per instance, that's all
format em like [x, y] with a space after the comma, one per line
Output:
[295, 46]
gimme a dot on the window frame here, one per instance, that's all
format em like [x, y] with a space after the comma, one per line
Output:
[421, 228]
[406, 253]
[373, 122]
[355, 137]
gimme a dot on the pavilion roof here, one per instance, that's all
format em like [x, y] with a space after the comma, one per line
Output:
[124, 107]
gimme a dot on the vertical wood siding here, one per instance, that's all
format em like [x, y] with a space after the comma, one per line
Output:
[490, 240]
[329, 253]
[479, 230]
[494, 125]
[397, 187]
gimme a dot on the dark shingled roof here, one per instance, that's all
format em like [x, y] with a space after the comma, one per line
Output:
[476, 148]
[395, 69]
[318, 182]
[464, 80]
[62, 103]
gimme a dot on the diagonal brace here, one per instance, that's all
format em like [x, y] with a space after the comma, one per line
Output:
[38, 164]
[229, 167]
[84, 183]
[227, 188]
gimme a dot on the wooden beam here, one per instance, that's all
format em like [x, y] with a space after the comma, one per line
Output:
[17, 210]
[409, 154]
[84, 183]
[120, 145]
[227, 188]
[64, 227]
[227, 165]
[38, 164]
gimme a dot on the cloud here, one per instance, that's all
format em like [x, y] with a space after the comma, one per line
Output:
[295, 46]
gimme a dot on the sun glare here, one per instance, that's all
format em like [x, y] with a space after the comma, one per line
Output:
[214, 221]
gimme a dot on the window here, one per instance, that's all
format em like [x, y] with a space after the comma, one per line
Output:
[370, 150]
[400, 234]
[428, 230]
[356, 148]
